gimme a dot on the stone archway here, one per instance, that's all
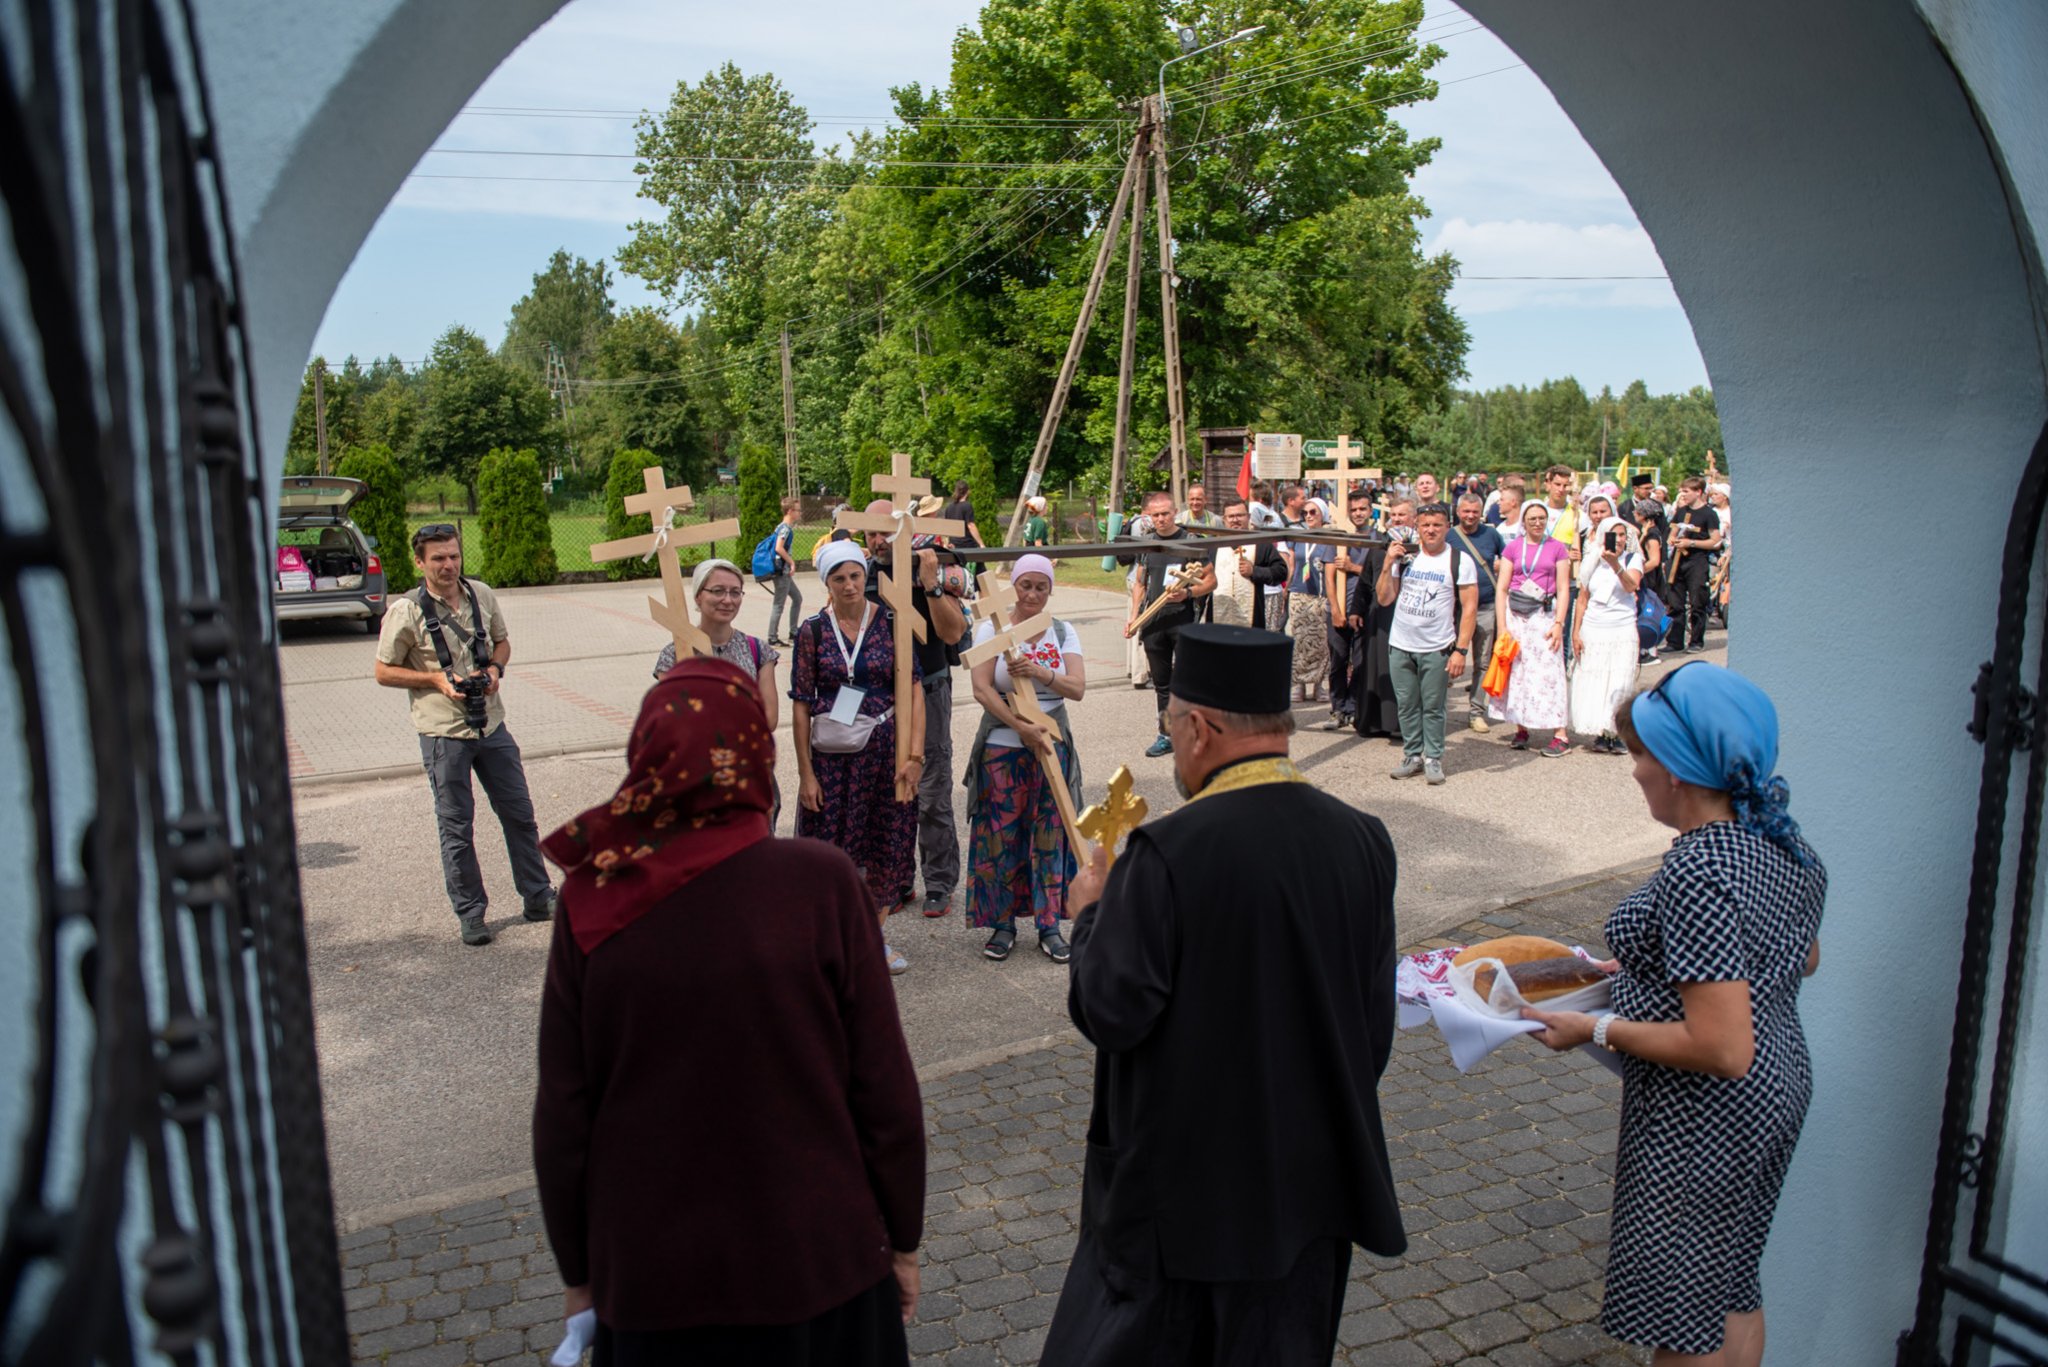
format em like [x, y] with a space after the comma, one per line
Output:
[1849, 198]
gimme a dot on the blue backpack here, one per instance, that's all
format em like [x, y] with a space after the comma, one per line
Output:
[1653, 619]
[765, 565]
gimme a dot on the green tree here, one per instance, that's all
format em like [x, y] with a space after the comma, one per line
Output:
[762, 483]
[640, 397]
[380, 512]
[570, 306]
[512, 517]
[870, 458]
[621, 482]
[473, 403]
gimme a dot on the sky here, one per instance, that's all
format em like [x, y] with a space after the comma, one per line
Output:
[1513, 192]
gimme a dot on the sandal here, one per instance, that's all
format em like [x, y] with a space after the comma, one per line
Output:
[1055, 947]
[998, 946]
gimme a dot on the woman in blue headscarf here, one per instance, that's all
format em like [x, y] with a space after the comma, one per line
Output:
[1709, 957]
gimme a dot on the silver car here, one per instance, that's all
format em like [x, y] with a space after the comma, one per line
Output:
[326, 566]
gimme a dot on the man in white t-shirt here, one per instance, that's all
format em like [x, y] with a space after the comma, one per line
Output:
[1434, 592]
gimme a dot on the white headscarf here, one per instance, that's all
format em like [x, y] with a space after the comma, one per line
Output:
[1592, 563]
[836, 553]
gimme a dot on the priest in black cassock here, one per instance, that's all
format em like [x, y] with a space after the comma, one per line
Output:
[1235, 971]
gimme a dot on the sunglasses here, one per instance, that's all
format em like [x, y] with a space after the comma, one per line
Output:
[436, 531]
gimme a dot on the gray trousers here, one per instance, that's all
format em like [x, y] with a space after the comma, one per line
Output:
[495, 761]
[784, 584]
[938, 840]
[1476, 662]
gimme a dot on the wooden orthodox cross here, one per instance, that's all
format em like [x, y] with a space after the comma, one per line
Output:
[661, 504]
[902, 489]
[996, 599]
[1340, 506]
[1116, 816]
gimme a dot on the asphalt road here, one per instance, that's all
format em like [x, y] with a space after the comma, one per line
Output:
[427, 1045]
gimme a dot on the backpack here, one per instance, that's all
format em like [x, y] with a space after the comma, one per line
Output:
[1653, 619]
[765, 565]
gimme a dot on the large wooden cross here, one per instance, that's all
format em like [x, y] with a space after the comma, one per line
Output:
[1340, 506]
[661, 504]
[995, 601]
[1117, 815]
[902, 489]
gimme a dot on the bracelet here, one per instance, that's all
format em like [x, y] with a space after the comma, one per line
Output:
[1600, 1031]
[917, 759]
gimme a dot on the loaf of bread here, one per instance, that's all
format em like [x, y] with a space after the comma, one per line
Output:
[1513, 949]
[1540, 979]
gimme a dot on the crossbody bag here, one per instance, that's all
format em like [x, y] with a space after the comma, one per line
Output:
[828, 734]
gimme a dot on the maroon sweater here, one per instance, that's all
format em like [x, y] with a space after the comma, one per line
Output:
[728, 1128]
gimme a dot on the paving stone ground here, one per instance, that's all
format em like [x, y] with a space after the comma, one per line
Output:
[1505, 1178]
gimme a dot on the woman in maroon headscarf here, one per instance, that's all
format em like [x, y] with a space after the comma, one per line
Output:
[728, 1136]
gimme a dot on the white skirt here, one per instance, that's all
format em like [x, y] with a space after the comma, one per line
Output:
[1604, 676]
[1536, 696]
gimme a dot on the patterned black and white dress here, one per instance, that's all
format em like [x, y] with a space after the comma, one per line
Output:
[1702, 1159]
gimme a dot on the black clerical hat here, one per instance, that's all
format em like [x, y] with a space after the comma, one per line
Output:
[1234, 669]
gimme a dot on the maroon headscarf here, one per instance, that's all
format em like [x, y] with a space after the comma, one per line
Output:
[699, 783]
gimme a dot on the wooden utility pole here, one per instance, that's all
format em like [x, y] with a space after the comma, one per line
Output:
[1169, 312]
[788, 415]
[1058, 404]
[320, 412]
[1133, 280]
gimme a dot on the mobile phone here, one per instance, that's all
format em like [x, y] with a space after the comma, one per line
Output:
[1614, 539]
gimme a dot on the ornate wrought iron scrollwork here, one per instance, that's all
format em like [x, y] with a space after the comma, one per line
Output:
[1973, 1299]
[170, 1156]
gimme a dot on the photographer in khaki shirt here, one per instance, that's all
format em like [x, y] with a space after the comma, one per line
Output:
[460, 716]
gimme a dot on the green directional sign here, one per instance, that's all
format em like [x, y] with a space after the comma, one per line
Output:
[1318, 448]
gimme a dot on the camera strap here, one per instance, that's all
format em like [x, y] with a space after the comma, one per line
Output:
[435, 630]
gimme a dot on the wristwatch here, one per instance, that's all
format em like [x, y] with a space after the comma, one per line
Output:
[1459, 650]
[497, 665]
[1600, 1031]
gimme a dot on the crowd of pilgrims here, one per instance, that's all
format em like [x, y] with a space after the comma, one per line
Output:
[1561, 573]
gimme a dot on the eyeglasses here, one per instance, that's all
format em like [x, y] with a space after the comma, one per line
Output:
[734, 594]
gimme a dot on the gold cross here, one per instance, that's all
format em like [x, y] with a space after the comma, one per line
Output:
[995, 598]
[1117, 815]
[903, 490]
[661, 504]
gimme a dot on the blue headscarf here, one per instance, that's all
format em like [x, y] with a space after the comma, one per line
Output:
[1712, 727]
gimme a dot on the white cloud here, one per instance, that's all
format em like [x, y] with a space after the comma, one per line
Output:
[1520, 247]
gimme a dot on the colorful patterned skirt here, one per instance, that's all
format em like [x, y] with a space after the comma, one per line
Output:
[1018, 859]
[860, 814]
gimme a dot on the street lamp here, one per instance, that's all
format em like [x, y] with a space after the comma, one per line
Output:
[1236, 37]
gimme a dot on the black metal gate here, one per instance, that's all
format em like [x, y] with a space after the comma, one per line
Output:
[1976, 1305]
[165, 1173]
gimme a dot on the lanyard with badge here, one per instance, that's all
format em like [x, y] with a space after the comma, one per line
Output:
[846, 706]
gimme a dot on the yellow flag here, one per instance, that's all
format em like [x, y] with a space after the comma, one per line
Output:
[1621, 476]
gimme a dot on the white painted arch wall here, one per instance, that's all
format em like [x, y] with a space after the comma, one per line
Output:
[1850, 197]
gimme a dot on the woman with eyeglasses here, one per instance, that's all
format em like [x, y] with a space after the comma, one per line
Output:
[1531, 577]
[718, 590]
[1019, 861]
[1710, 954]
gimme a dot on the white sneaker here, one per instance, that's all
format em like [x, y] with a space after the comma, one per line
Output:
[1410, 767]
[1432, 772]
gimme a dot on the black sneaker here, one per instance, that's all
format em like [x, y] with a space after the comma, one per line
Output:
[544, 908]
[474, 931]
[935, 903]
[998, 946]
[1055, 947]
[1160, 746]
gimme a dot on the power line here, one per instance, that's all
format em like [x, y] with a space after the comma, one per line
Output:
[851, 163]
[1463, 276]
[548, 112]
[1401, 95]
[757, 184]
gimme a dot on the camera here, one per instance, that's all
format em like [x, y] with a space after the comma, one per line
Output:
[1405, 535]
[474, 689]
